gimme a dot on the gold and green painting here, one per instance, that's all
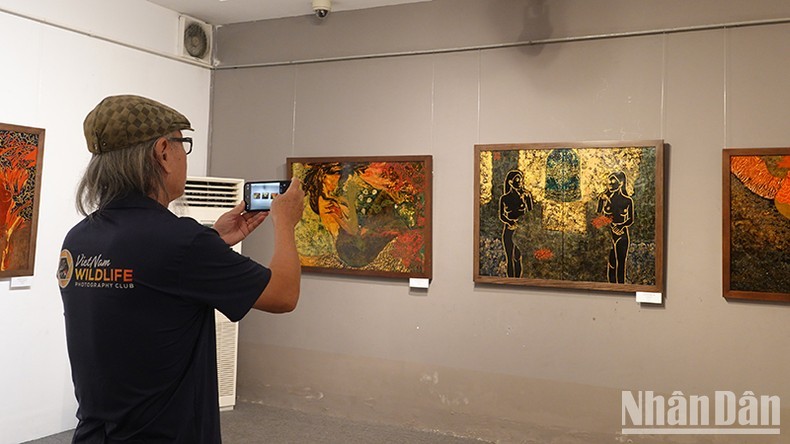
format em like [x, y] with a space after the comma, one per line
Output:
[367, 216]
[575, 215]
[21, 152]
[756, 224]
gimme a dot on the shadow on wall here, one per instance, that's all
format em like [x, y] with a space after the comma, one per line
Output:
[536, 26]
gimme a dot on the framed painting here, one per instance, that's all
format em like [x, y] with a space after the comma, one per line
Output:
[367, 216]
[21, 152]
[585, 215]
[756, 224]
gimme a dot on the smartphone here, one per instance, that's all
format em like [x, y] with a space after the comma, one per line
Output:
[258, 195]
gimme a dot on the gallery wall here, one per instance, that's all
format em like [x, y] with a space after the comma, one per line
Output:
[51, 74]
[509, 363]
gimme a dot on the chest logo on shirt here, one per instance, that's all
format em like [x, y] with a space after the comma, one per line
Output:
[92, 272]
[65, 268]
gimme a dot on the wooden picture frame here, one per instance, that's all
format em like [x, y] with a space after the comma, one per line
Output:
[367, 216]
[585, 215]
[21, 155]
[756, 224]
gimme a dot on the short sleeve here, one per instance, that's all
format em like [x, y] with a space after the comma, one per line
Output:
[214, 274]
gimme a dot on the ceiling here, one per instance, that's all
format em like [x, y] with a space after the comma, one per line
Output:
[224, 12]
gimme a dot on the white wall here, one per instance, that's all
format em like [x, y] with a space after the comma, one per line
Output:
[50, 78]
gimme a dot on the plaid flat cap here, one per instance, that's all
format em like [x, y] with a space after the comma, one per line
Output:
[119, 122]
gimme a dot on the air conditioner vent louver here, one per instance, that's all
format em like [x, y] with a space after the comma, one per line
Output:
[215, 193]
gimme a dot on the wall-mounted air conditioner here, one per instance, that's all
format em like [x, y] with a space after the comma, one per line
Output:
[205, 199]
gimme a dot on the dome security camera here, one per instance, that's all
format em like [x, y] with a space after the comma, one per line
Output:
[322, 8]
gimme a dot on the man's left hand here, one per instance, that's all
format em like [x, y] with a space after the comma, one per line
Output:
[237, 224]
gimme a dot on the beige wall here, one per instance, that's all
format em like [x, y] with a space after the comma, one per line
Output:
[509, 363]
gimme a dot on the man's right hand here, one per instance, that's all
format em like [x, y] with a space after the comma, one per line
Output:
[287, 208]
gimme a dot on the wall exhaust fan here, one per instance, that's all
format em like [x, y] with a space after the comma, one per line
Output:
[195, 39]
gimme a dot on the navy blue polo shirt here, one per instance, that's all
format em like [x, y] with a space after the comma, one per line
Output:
[139, 288]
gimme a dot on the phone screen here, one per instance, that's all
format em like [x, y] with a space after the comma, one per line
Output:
[258, 196]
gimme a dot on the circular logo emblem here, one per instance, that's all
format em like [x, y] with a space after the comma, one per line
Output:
[65, 268]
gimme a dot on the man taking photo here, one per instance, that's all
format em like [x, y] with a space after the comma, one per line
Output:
[140, 285]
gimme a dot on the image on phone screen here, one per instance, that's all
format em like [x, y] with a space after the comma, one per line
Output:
[258, 196]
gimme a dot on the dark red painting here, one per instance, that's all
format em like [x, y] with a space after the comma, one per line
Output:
[21, 152]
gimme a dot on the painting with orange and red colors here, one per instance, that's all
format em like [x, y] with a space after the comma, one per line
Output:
[583, 215]
[21, 151]
[756, 223]
[367, 216]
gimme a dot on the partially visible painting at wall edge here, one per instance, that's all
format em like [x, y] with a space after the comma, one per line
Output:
[756, 224]
[366, 215]
[523, 223]
[21, 155]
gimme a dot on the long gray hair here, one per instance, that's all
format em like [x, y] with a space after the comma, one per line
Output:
[115, 174]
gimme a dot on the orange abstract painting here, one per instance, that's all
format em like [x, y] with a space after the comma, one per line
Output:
[756, 223]
[21, 152]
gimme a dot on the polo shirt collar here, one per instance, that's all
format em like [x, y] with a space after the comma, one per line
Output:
[135, 200]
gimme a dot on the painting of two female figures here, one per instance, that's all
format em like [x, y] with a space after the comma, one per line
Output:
[568, 216]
